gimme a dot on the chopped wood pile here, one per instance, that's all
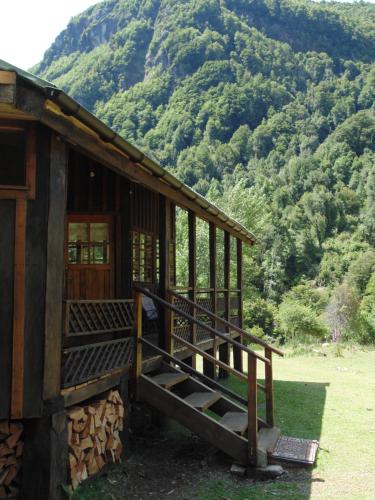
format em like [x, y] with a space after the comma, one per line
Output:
[11, 449]
[93, 436]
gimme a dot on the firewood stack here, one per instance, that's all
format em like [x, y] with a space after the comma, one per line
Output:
[11, 449]
[93, 436]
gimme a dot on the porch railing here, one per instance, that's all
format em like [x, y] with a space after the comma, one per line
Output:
[98, 339]
[88, 317]
[252, 359]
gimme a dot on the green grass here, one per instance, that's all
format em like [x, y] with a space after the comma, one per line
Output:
[331, 399]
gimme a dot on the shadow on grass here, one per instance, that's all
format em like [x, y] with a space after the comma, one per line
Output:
[299, 410]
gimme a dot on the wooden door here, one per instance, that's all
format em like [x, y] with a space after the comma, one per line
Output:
[89, 257]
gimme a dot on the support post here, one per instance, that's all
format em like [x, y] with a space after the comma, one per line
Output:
[252, 430]
[165, 237]
[45, 457]
[192, 278]
[137, 368]
[237, 353]
[224, 350]
[209, 368]
[55, 269]
[269, 388]
[168, 322]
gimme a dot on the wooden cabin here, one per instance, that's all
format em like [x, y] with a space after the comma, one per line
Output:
[91, 316]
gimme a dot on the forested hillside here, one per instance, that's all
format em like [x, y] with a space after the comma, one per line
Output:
[267, 108]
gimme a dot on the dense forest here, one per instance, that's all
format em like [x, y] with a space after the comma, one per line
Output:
[267, 108]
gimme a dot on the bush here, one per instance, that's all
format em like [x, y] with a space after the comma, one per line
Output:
[296, 321]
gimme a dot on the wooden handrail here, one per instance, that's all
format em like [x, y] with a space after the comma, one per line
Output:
[201, 324]
[214, 316]
[205, 355]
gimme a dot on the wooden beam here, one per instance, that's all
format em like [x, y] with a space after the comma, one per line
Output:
[8, 78]
[269, 388]
[72, 397]
[19, 310]
[55, 269]
[209, 369]
[237, 354]
[192, 223]
[164, 239]
[252, 411]
[224, 350]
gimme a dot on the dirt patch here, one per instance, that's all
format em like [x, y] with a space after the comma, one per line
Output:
[169, 463]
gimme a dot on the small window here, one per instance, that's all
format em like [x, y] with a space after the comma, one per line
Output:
[12, 159]
[88, 243]
[145, 257]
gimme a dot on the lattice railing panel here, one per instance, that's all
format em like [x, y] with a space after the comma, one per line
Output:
[88, 362]
[84, 317]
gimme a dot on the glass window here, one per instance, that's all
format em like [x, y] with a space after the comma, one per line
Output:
[88, 243]
[12, 159]
[146, 258]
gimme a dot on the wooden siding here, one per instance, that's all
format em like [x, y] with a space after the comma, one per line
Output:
[35, 286]
[7, 222]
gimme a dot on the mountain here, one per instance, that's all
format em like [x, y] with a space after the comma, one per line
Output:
[264, 106]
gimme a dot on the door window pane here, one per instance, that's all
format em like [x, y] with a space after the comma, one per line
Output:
[88, 243]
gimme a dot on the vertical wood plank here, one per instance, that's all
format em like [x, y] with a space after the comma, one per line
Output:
[55, 269]
[237, 353]
[7, 240]
[192, 221]
[138, 334]
[209, 368]
[252, 431]
[165, 236]
[224, 351]
[269, 388]
[19, 310]
[168, 324]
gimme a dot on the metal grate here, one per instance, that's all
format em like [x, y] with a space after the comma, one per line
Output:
[295, 450]
[87, 317]
[84, 363]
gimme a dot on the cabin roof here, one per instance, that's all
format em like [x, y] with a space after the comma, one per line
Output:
[71, 107]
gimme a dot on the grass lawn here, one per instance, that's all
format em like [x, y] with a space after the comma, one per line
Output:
[331, 399]
[328, 398]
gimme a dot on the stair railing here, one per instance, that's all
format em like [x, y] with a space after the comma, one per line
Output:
[252, 358]
[267, 388]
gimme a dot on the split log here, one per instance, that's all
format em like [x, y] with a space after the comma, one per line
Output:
[11, 449]
[93, 434]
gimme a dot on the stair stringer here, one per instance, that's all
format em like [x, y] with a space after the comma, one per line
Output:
[201, 424]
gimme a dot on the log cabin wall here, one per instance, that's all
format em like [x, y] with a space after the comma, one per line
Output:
[23, 267]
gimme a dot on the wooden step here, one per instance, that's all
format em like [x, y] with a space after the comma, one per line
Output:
[168, 380]
[235, 421]
[202, 400]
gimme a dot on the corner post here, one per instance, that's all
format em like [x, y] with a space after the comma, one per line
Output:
[252, 430]
[269, 388]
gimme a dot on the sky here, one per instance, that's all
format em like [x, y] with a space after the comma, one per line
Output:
[30, 26]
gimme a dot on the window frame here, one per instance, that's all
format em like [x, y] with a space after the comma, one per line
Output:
[26, 191]
[91, 219]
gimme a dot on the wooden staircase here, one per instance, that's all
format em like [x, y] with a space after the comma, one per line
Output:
[206, 412]
[223, 418]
